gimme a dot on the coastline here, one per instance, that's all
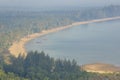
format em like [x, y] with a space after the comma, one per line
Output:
[18, 48]
[101, 68]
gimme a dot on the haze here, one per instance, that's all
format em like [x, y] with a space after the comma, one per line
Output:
[56, 3]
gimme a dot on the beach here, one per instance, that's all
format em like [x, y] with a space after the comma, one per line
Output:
[101, 68]
[18, 48]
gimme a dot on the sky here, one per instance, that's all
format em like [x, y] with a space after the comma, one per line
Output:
[56, 3]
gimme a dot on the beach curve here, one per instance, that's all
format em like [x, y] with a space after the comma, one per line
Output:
[18, 48]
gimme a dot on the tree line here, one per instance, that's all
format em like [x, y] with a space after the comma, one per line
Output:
[39, 66]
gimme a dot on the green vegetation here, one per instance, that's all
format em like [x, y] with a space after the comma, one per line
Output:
[9, 76]
[17, 24]
[38, 66]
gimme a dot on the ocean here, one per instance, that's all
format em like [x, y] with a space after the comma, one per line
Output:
[89, 43]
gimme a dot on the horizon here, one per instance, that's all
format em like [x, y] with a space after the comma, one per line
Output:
[7, 8]
[56, 3]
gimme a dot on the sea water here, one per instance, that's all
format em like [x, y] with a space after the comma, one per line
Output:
[89, 43]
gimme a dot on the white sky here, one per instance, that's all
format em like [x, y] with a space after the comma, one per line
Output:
[51, 3]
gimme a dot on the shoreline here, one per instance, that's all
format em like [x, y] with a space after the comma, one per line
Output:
[101, 68]
[18, 48]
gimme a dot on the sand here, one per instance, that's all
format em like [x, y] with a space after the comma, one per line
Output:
[18, 48]
[101, 68]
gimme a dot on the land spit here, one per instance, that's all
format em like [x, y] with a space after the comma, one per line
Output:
[18, 47]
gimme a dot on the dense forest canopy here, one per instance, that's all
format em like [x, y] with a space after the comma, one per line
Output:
[38, 66]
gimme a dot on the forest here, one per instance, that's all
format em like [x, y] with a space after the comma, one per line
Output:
[39, 66]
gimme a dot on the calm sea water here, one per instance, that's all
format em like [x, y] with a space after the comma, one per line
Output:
[90, 43]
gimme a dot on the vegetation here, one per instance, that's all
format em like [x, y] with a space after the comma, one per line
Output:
[9, 76]
[17, 24]
[38, 66]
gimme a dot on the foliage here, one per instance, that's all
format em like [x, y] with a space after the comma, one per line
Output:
[17, 24]
[38, 66]
[9, 76]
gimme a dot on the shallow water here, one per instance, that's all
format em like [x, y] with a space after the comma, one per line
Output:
[90, 43]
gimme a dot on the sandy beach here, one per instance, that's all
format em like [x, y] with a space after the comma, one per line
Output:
[18, 48]
[101, 68]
